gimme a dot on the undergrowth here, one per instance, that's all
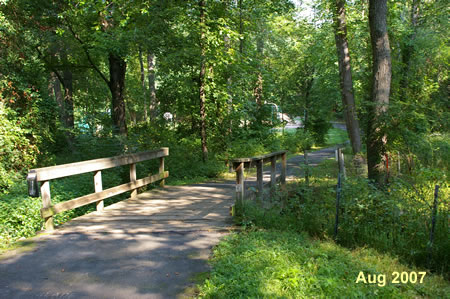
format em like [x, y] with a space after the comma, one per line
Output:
[286, 264]
[395, 220]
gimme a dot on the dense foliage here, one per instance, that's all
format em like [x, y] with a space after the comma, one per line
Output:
[92, 68]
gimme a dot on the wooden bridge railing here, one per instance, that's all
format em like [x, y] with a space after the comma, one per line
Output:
[44, 175]
[241, 163]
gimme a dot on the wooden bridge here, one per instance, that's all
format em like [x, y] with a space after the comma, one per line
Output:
[174, 208]
[151, 245]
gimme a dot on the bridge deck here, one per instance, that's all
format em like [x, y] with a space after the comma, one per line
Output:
[150, 246]
[174, 208]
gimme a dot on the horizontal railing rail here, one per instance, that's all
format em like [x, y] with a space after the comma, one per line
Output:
[240, 164]
[44, 175]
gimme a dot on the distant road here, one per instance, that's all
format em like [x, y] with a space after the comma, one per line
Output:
[339, 125]
[297, 123]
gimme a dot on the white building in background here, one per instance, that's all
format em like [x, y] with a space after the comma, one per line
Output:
[168, 116]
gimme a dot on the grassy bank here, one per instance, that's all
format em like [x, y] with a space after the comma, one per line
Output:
[286, 264]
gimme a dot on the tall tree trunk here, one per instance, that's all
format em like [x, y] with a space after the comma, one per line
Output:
[408, 48]
[202, 91]
[144, 88]
[229, 88]
[308, 86]
[117, 69]
[65, 103]
[56, 84]
[67, 83]
[151, 85]
[68, 99]
[345, 73]
[241, 29]
[381, 85]
[258, 90]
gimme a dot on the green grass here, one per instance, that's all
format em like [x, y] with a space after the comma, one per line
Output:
[280, 264]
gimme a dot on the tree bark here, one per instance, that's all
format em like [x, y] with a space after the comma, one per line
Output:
[68, 99]
[144, 86]
[202, 91]
[345, 73]
[241, 29]
[65, 103]
[308, 86]
[258, 90]
[117, 69]
[227, 44]
[151, 85]
[408, 48]
[381, 85]
[56, 84]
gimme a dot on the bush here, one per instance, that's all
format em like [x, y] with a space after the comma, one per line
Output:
[319, 129]
[16, 152]
[298, 141]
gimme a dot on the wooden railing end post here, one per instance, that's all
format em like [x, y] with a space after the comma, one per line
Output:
[283, 168]
[161, 170]
[133, 179]
[259, 177]
[47, 203]
[98, 185]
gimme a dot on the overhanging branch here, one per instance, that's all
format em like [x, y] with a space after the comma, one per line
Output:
[88, 56]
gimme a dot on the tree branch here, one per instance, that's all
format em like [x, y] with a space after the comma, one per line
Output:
[51, 67]
[88, 56]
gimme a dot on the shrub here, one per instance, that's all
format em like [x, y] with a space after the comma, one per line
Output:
[16, 152]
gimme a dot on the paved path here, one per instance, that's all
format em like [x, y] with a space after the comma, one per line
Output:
[147, 247]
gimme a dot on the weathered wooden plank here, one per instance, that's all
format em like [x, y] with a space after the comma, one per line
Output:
[266, 157]
[240, 183]
[273, 172]
[47, 203]
[283, 168]
[98, 188]
[341, 162]
[259, 177]
[87, 199]
[161, 170]
[133, 179]
[59, 171]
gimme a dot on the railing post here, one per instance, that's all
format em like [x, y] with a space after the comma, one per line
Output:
[98, 188]
[305, 156]
[161, 171]
[273, 172]
[341, 162]
[133, 178]
[283, 169]
[47, 203]
[259, 177]
[240, 182]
